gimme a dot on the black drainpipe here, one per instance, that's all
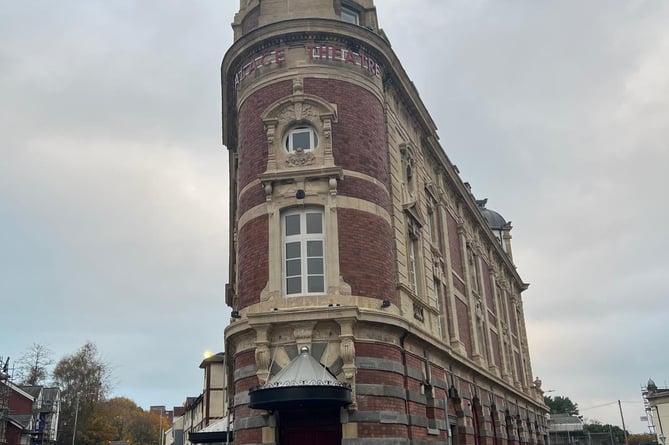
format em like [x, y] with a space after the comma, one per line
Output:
[406, 386]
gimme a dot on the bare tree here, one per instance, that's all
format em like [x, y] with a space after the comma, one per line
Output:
[84, 379]
[33, 366]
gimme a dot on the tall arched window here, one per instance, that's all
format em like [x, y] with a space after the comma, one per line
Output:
[303, 251]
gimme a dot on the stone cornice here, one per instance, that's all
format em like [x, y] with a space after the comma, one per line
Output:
[360, 316]
[325, 30]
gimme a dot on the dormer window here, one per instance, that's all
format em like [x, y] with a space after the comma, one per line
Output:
[301, 138]
[350, 15]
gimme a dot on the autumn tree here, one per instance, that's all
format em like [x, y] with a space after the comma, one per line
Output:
[33, 366]
[120, 419]
[114, 417]
[84, 379]
[147, 429]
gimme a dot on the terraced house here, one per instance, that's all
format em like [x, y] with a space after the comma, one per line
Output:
[375, 300]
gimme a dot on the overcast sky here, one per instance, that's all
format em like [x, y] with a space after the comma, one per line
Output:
[113, 179]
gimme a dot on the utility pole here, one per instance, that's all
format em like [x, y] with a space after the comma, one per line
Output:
[620, 407]
[76, 417]
[663, 438]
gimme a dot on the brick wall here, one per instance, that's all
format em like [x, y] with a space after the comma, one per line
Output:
[359, 138]
[366, 254]
[359, 188]
[252, 145]
[252, 197]
[253, 261]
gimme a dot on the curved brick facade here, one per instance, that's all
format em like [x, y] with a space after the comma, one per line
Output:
[359, 138]
[420, 307]
[251, 197]
[252, 145]
[254, 264]
[366, 254]
[365, 190]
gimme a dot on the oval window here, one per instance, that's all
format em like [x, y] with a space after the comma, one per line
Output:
[301, 138]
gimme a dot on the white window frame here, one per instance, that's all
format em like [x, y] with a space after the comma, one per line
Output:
[350, 15]
[302, 128]
[303, 239]
[438, 304]
[413, 260]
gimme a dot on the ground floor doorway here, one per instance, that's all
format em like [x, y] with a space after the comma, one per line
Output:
[309, 426]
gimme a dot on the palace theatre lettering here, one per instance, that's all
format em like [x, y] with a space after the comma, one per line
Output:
[316, 54]
[275, 57]
[345, 56]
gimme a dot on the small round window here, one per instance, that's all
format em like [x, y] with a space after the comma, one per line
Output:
[301, 138]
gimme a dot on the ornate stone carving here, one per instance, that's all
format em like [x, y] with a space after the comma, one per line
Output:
[303, 111]
[262, 363]
[332, 185]
[344, 287]
[327, 128]
[287, 114]
[302, 332]
[268, 191]
[418, 312]
[348, 356]
[298, 86]
[300, 158]
[479, 311]
[270, 129]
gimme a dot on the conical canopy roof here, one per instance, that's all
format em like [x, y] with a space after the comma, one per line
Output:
[303, 381]
[303, 370]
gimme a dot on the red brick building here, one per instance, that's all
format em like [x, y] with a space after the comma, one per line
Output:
[375, 301]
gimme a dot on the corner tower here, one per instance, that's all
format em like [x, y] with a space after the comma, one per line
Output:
[371, 300]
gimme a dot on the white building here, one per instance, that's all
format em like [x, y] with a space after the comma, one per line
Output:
[658, 410]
